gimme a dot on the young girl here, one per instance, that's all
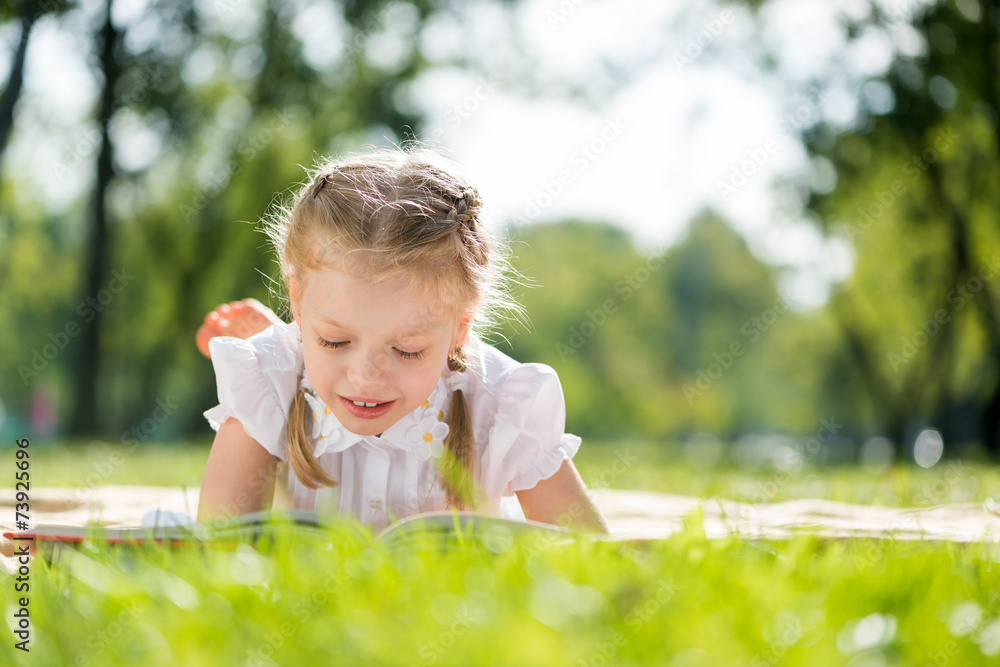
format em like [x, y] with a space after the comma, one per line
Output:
[379, 395]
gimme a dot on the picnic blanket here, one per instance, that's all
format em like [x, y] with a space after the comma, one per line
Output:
[631, 515]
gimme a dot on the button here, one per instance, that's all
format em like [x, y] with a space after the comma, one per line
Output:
[375, 503]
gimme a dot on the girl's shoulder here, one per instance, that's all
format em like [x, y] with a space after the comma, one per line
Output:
[257, 379]
[273, 353]
[519, 416]
[491, 369]
[494, 381]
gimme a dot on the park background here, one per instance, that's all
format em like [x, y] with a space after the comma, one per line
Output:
[761, 244]
[760, 233]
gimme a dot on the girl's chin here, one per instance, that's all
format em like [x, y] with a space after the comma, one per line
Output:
[366, 426]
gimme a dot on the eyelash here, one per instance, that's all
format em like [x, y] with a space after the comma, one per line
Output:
[336, 345]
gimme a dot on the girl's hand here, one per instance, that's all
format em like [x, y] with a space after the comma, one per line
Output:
[562, 500]
[239, 475]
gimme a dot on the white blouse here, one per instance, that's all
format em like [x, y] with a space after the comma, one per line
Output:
[517, 412]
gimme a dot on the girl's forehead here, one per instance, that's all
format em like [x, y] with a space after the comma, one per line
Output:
[398, 302]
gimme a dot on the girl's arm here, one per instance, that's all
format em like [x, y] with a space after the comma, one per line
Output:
[239, 475]
[562, 499]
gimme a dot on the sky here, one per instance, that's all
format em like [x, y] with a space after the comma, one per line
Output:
[696, 127]
[675, 118]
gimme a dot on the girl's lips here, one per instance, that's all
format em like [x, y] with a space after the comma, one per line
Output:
[363, 412]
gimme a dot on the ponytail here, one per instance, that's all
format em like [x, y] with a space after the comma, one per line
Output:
[300, 453]
[457, 464]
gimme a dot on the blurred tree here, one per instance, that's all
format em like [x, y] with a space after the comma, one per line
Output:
[111, 62]
[27, 15]
[733, 335]
[916, 196]
[27, 12]
[584, 307]
[202, 111]
[658, 345]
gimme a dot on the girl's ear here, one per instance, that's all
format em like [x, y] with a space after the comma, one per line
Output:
[463, 329]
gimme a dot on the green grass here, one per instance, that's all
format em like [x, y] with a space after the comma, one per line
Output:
[350, 600]
[663, 469]
[98, 463]
[684, 601]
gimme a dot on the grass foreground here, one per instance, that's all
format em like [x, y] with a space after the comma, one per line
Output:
[686, 601]
[350, 599]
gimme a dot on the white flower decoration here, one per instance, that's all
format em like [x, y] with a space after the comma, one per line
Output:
[426, 450]
[324, 429]
[428, 436]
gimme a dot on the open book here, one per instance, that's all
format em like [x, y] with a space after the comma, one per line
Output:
[435, 528]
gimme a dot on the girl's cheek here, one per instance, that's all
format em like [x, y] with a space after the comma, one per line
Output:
[319, 366]
[327, 368]
[424, 385]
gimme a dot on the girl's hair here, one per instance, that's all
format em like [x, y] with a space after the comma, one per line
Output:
[396, 213]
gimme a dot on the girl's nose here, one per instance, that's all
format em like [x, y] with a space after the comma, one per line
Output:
[369, 370]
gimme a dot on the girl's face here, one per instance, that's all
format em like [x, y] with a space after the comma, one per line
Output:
[373, 351]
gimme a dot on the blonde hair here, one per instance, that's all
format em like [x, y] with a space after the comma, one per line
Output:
[396, 212]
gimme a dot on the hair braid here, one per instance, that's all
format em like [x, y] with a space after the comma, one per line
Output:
[458, 463]
[300, 453]
[457, 470]
[464, 214]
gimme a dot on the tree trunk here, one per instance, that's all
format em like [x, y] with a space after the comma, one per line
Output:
[991, 418]
[991, 314]
[15, 81]
[84, 419]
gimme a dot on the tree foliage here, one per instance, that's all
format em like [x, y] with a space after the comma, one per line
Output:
[916, 197]
[203, 111]
[695, 339]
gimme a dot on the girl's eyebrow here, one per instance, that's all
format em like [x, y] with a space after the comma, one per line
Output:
[333, 322]
[416, 333]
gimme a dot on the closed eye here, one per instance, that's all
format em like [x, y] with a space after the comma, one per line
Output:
[335, 345]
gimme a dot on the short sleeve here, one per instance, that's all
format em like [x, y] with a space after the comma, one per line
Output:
[256, 380]
[527, 442]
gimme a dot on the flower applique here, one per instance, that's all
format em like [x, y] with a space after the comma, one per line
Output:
[428, 434]
[324, 429]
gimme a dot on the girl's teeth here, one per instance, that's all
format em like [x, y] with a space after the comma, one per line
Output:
[363, 404]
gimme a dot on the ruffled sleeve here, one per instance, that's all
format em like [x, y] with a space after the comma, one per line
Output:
[527, 442]
[256, 380]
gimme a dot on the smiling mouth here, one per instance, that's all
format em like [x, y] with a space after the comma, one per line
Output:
[366, 409]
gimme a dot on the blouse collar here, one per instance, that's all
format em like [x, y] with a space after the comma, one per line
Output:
[421, 432]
